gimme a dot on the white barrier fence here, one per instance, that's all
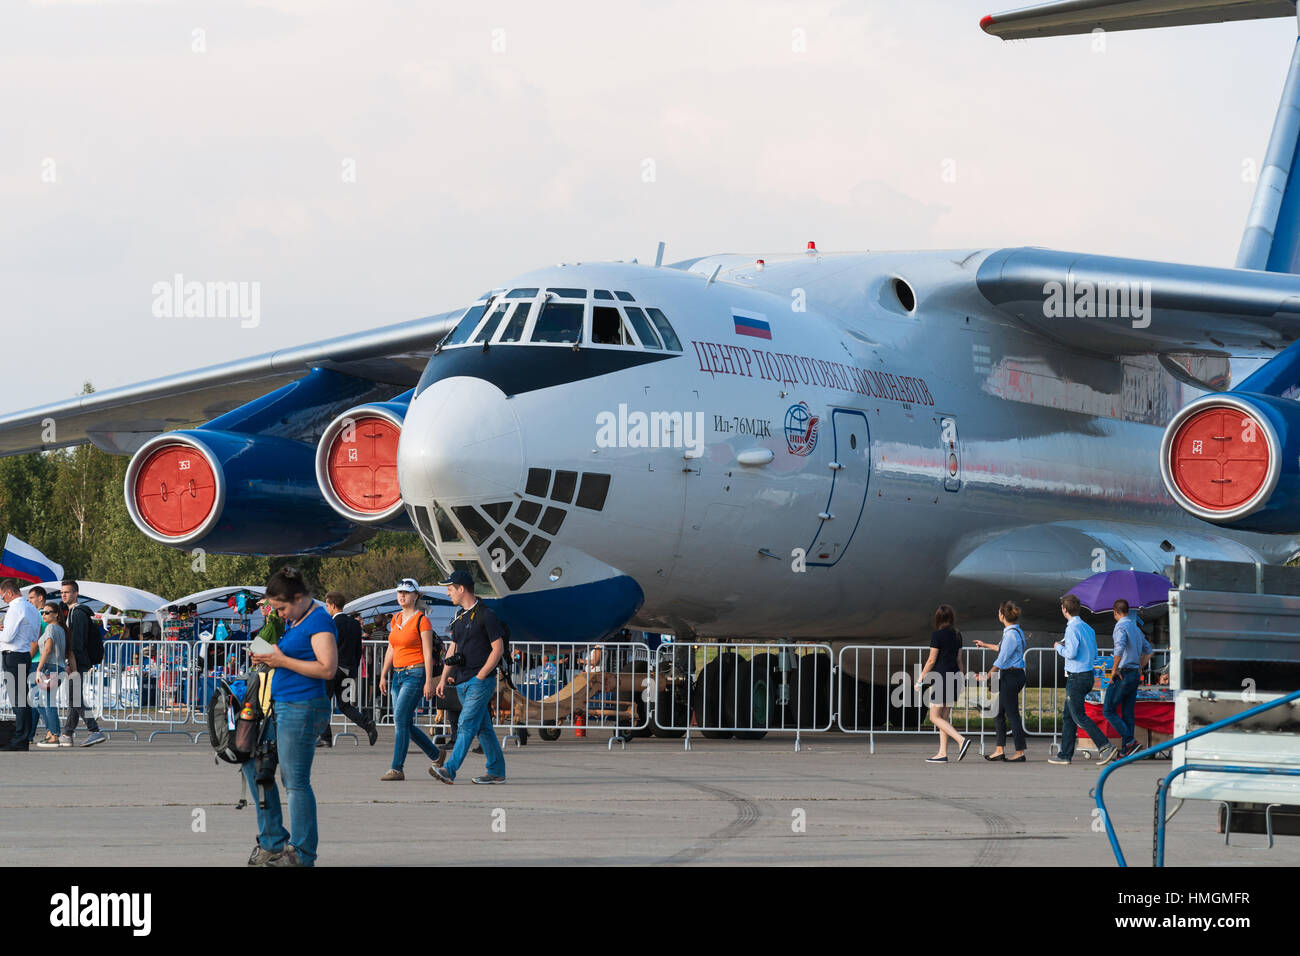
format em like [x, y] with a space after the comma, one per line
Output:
[715, 690]
[743, 690]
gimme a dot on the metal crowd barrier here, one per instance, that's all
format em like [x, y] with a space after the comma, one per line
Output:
[743, 690]
[594, 684]
[149, 682]
[883, 679]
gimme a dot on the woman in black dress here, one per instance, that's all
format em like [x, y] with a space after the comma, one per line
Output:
[941, 681]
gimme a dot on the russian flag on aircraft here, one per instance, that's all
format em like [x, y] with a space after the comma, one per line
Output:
[20, 560]
[748, 323]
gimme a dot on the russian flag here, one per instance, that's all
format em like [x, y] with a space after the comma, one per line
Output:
[20, 560]
[750, 324]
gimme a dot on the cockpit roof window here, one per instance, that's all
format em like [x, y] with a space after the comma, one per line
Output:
[669, 336]
[521, 294]
[625, 296]
[466, 326]
[568, 293]
[643, 329]
[603, 294]
[559, 322]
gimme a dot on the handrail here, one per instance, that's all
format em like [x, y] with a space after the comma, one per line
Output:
[1168, 744]
[1162, 799]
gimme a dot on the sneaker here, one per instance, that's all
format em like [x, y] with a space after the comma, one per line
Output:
[443, 774]
[261, 857]
[1059, 761]
[65, 741]
[1131, 749]
[1106, 754]
[489, 778]
[49, 742]
[393, 775]
[288, 858]
[97, 737]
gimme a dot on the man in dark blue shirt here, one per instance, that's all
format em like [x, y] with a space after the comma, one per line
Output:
[477, 634]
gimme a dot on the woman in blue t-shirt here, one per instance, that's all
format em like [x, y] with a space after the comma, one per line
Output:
[304, 659]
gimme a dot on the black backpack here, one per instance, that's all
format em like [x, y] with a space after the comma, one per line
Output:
[236, 728]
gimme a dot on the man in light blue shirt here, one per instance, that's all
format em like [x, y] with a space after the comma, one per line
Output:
[1132, 651]
[21, 628]
[1079, 648]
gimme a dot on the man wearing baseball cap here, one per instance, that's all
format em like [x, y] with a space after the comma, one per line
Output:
[477, 635]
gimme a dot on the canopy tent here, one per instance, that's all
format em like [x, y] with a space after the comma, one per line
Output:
[99, 595]
[437, 606]
[214, 603]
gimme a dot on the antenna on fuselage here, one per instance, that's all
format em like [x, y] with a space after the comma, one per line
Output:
[659, 256]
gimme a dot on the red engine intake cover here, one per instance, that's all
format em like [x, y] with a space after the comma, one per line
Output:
[363, 472]
[1219, 458]
[175, 490]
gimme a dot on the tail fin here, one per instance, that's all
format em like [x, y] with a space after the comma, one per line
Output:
[1271, 241]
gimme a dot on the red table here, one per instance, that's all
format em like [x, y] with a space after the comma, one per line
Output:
[1153, 715]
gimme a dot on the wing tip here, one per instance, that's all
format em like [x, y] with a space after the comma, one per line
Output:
[986, 21]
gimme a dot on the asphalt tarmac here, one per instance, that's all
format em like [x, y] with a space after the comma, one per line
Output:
[577, 802]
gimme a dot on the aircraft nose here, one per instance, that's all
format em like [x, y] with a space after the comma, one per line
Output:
[460, 441]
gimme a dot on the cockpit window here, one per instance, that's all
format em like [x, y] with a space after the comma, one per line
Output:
[603, 294]
[466, 326]
[625, 296]
[665, 330]
[521, 294]
[642, 325]
[568, 293]
[607, 327]
[515, 327]
[490, 326]
[559, 322]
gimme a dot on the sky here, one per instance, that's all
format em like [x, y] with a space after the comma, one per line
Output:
[364, 163]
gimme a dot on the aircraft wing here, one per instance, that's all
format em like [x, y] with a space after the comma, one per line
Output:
[1044, 561]
[1065, 17]
[118, 420]
[1115, 306]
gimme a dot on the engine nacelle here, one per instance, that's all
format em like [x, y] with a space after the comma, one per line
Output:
[1233, 458]
[356, 464]
[233, 493]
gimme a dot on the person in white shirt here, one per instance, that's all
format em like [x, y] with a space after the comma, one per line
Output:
[21, 627]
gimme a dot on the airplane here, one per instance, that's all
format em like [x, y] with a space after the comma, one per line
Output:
[804, 445]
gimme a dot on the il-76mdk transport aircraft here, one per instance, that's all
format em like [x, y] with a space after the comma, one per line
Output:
[810, 444]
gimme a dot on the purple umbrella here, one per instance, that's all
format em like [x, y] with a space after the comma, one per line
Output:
[1139, 588]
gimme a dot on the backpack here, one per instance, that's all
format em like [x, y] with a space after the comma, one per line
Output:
[235, 728]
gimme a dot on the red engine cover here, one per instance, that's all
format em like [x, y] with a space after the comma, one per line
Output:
[1219, 458]
[175, 490]
[363, 472]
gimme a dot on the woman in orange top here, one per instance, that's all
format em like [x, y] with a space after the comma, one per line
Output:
[410, 661]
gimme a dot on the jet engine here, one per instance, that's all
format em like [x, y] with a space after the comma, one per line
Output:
[1233, 458]
[231, 493]
[356, 464]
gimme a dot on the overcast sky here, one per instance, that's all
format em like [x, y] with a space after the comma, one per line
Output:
[376, 161]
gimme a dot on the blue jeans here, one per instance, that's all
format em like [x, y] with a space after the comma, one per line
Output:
[475, 694]
[407, 689]
[47, 702]
[297, 726]
[1121, 703]
[1076, 716]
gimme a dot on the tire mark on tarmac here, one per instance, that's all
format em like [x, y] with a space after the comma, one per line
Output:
[999, 846]
[747, 814]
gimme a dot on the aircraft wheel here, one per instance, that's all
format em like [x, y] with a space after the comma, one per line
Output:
[549, 733]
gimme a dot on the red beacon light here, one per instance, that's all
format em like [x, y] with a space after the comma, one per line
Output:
[760, 263]
[812, 248]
